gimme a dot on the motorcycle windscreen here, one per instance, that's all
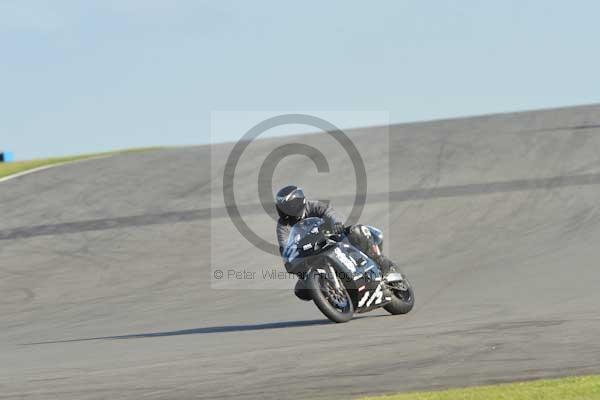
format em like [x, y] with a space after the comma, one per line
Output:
[303, 238]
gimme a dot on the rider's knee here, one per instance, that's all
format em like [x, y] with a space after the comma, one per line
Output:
[301, 291]
[360, 235]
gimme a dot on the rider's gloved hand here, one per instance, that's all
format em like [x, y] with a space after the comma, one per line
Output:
[338, 228]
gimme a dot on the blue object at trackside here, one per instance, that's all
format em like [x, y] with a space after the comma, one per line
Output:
[7, 156]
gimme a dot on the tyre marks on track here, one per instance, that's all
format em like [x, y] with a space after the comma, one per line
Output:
[172, 217]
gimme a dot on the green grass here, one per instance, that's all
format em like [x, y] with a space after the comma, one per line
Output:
[11, 168]
[576, 388]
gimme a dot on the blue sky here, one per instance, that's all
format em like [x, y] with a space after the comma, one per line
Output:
[85, 76]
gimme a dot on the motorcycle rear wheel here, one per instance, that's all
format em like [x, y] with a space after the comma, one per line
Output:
[334, 303]
[403, 298]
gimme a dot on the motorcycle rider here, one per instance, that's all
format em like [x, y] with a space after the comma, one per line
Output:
[292, 206]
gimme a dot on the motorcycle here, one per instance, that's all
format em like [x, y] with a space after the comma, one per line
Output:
[341, 279]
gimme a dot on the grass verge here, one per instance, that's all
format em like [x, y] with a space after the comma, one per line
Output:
[11, 168]
[575, 388]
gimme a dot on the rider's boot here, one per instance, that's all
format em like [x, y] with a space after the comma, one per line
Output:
[387, 266]
[301, 291]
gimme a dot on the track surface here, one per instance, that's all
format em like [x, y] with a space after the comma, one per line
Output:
[105, 269]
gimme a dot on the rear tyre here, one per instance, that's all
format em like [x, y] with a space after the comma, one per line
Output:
[334, 303]
[403, 298]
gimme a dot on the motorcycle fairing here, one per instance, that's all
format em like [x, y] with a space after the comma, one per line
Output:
[360, 274]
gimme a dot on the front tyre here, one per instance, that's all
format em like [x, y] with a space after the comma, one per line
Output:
[403, 297]
[334, 302]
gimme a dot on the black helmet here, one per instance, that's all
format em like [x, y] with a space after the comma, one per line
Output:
[290, 203]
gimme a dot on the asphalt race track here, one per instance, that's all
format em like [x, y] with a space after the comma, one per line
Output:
[106, 268]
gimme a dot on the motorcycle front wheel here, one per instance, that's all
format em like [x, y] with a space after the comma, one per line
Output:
[333, 301]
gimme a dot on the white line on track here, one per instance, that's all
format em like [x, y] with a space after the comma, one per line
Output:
[45, 167]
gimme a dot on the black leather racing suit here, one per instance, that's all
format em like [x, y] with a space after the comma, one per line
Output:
[312, 208]
[355, 234]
